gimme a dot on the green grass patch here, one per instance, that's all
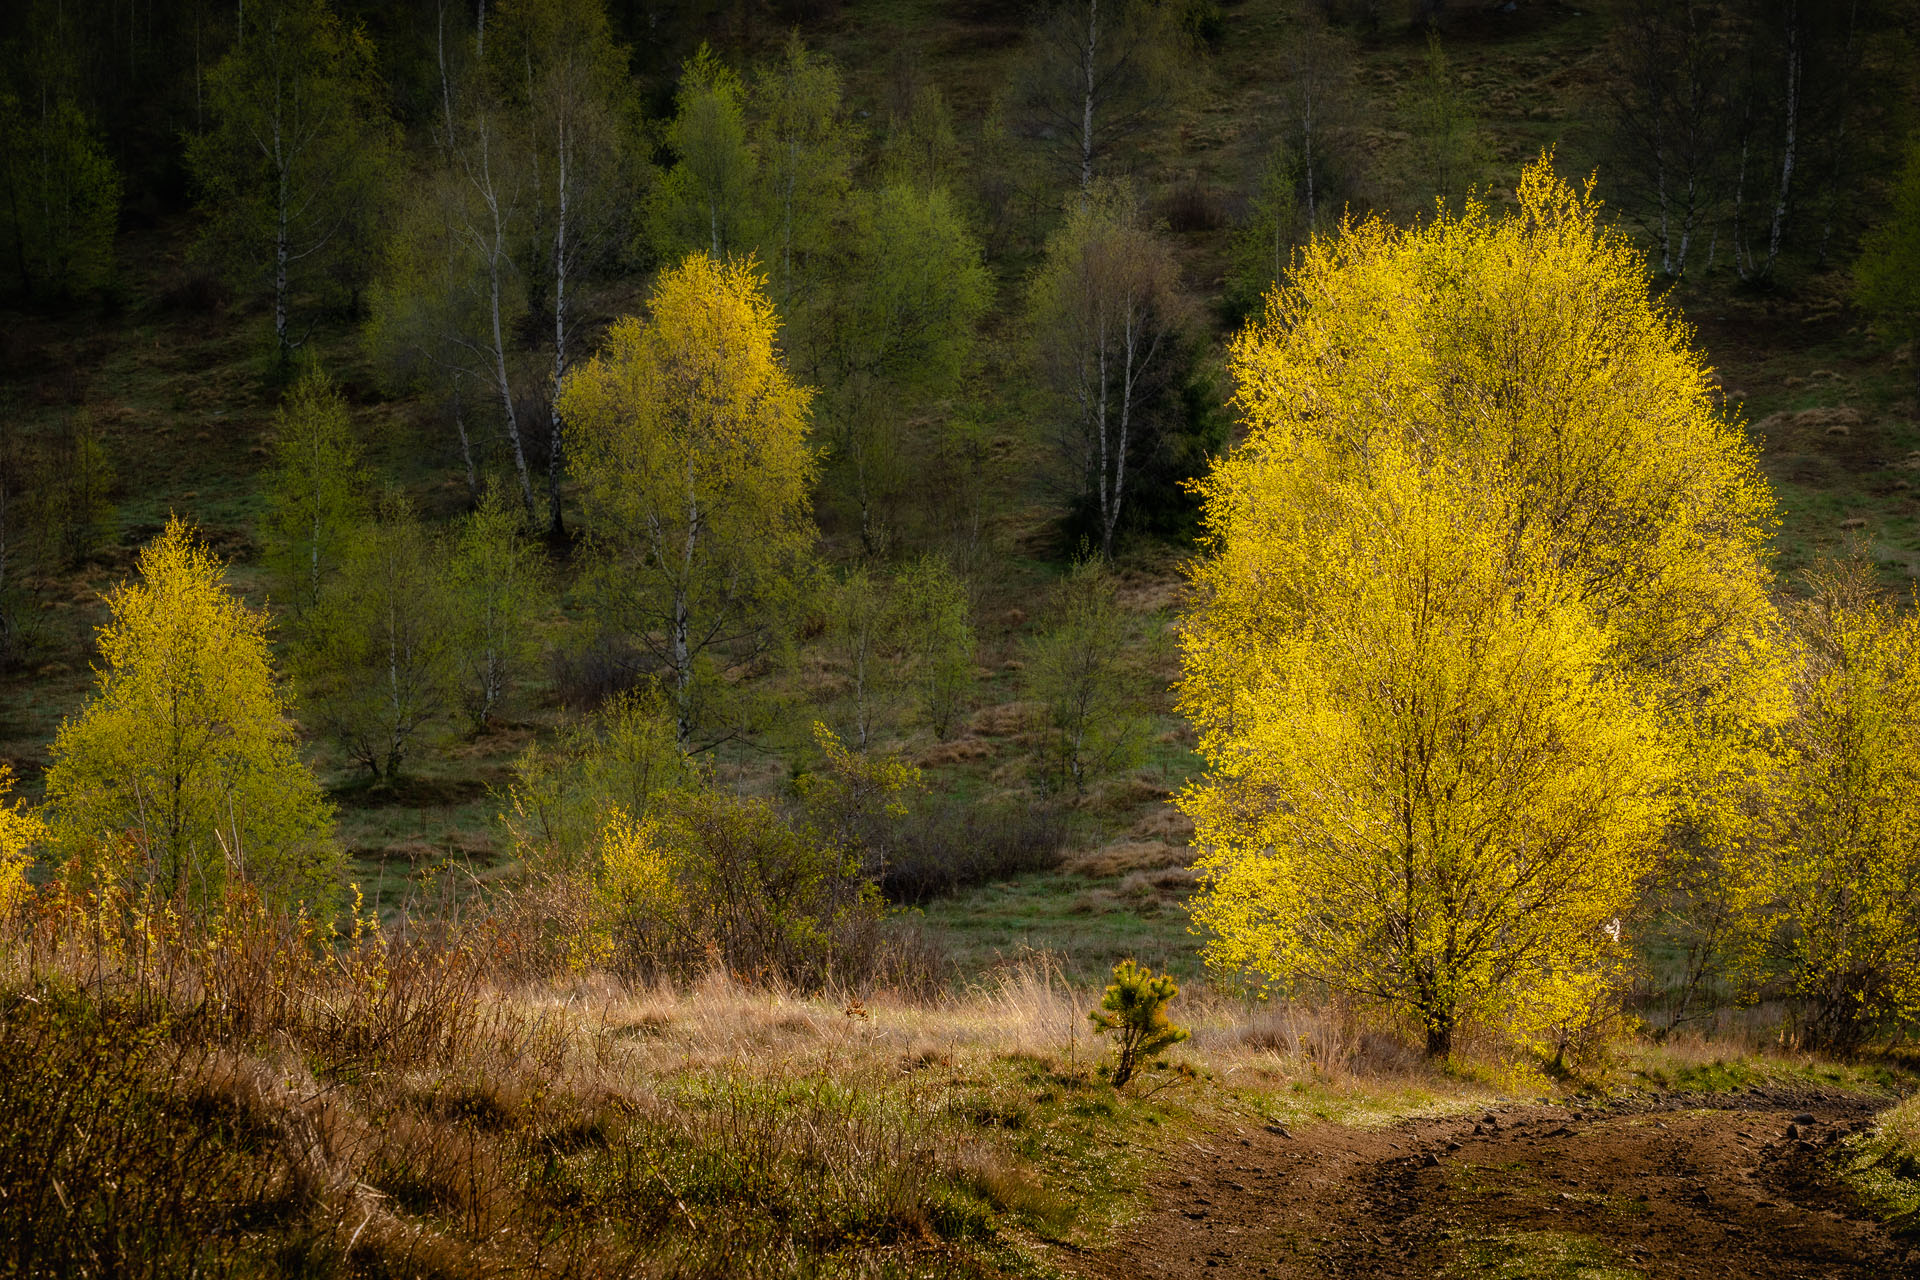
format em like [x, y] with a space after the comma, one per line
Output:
[1537, 1255]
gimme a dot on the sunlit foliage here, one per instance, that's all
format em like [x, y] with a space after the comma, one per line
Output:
[1486, 595]
[186, 748]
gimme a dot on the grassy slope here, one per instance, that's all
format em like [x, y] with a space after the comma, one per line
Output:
[186, 412]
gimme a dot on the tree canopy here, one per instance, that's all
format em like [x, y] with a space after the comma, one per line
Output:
[1489, 558]
[690, 442]
[187, 748]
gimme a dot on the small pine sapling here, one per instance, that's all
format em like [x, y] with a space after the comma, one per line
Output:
[1134, 1008]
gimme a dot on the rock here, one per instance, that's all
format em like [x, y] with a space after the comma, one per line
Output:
[1805, 1117]
[1429, 1160]
[1279, 1130]
[1793, 1131]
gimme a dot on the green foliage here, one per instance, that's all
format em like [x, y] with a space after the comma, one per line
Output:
[863, 626]
[1447, 149]
[186, 750]
[69, 506]
[714, 878]
[316, 490]
[374, 661]
[703, 201]
[1264, 242]
[894, 332]
[1078, 669]
[1134, 1009]
[938, 637]
[294, 171]
[1887, 276]
[922, 149]
[498, 578]
[623, 758]
[804, 148]
[855, 802]
[59, 198]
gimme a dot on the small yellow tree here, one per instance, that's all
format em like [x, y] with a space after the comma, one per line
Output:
[1485, 606]
[690, 442]
[187, 745]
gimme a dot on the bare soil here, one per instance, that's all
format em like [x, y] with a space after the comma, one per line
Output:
[1725, 1185]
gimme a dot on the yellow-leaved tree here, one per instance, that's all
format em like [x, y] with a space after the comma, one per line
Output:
[1485, 596]
[1837, 905]
[187, 747]
[690, 442]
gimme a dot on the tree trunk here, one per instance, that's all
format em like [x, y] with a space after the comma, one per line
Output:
[556, 526]
[1087, 103]
[1787, 148]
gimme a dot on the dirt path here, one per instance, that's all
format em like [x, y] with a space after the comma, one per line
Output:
[1659, 1188]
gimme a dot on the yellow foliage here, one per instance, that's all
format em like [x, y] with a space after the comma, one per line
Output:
[690, 440]
[19, 831]
[186, 748]
[1486, 570]
[1838, 894]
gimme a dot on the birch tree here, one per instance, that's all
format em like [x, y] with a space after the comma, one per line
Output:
[559, 65]
[1670, 127]
[316, 493]
[805, 159]
[690, 441]
[374, 658]
[704, 200]
[1095, 73]
[1106, 311]
[296, 165]
[188, 743]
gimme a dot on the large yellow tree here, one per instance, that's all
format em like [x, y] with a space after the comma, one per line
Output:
[187, 747]
[690, 442]
[1485, 593]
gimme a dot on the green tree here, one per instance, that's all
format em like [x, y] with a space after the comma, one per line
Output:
[799, 136]
[1134, 1009]
[296, 166]
[1887, 276]
[59, 197]
[862, 627]
[922, 150]
[690, 442]
[570, 79]
[704, 201]
[622, 760]
[316, 491]
[70, 504]
[938, 637]
[499, 585]
[899, 326]
[188, 743]
[1264, 242]
[1447, 147]
[1077, 669]
[1108, 317]
[375, 659]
